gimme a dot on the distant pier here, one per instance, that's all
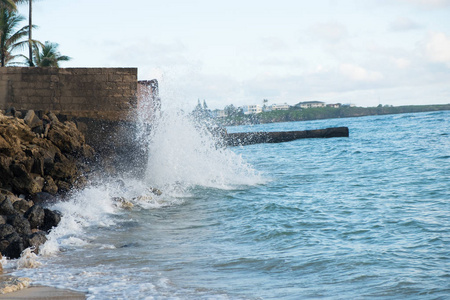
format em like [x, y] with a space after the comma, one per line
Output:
[249, 138]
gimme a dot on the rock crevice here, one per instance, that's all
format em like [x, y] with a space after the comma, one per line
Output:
[40, 158]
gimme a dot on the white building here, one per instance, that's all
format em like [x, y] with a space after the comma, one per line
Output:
[311, 104]
[252, 109]
[219, 113]
[280, 106]
[334, 105]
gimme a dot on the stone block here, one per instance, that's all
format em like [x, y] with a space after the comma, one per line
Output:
[42, 92]
[94, 71]
[115, 77]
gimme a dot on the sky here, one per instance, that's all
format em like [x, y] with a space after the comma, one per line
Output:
[361, 52]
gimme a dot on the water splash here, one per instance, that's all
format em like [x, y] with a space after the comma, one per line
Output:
[184, 154]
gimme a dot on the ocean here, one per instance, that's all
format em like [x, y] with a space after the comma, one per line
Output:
[364, 217]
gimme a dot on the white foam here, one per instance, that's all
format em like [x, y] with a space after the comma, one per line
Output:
[28, 259]
[183, 153]
[90, 206]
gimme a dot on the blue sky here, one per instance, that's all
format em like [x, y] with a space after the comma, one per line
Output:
[240, 52]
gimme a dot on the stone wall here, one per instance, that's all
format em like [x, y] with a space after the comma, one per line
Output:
[98, 93]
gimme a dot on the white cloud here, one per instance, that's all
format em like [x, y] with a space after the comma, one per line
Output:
[437, 48]
[429, 4]
[331, 32]
[358, 73]
[403, 24]
[273, 43]
[401, 63]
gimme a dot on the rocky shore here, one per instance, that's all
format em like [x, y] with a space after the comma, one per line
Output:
[41, 158]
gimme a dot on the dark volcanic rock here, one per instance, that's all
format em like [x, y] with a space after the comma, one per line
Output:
[39, 157]
[12, 246]
[6, 207]
[51, 219]
[36, 239]
[43, 198]
[50, 186]
[22, 206]
[35, 216]
[20, 224]
[5, 230]
[23, 182]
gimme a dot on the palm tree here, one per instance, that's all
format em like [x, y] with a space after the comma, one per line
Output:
[49, 56]
[30, 25]
[10, 4]
[9, 38]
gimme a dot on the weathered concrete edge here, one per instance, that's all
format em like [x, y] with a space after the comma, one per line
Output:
[250, 138]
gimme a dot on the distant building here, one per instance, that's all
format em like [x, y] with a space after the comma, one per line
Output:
[310, 104]
[252, 109]
[280, 107]
[335, 105]
[219, 113]
[349, 105]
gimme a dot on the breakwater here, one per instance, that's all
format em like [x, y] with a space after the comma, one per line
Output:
[249, 138]
[49, 119]
[39, 159]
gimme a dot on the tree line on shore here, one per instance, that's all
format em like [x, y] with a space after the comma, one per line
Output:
[13, 39]
[235, 116]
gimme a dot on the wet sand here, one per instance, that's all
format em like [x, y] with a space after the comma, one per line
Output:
[44, 293]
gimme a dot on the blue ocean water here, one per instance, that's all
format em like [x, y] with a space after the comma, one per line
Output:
[364, 217]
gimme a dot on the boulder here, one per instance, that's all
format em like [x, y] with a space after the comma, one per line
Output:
[39, 180]
[5, 172]
[32, 120]
[64, 170]
[53, 117]
[6, 207]
[35, 216]
[12, 246]
[35, 240]
[23, 181]
[10, 111]
[5, 147]
[4, 194]
[43, 198]
[66, 137]
[5, 230]
[63, 186]
[50, 186]
[38, 165]
[22, 206]
[51, 219]
[20, 224]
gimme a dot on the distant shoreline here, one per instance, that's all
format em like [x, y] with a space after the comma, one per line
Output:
[321, 113]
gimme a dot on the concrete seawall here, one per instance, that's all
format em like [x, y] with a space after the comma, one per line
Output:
[101, 101]
[99, 93]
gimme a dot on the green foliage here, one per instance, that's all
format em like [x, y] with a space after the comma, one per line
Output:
[8, 4]
[10, 39]
[48, 55]
[296, 114]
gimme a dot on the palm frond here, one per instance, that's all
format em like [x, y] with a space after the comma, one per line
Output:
[9, 4]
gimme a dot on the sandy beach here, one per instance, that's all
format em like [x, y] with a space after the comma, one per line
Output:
[43, 293]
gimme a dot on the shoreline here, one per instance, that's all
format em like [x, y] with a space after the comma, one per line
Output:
[39, 292]
[13, 287]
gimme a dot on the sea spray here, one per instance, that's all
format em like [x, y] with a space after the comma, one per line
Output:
[184, 153]
[184, 149]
